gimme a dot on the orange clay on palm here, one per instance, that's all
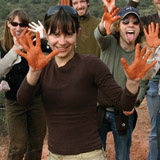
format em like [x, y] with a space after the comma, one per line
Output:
[109, 18]
[35, 57]
[138, 67]
[22, 36]
[64, 2]
[152, 38]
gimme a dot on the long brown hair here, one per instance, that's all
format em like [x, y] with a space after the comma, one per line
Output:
[7, 39]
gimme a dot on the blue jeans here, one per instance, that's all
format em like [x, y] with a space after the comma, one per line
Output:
[122, 143]
[153, 104]
[158, 133]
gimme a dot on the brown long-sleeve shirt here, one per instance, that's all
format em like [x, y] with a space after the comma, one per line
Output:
[69, 95]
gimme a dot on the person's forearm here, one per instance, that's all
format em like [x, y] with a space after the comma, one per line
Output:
[26, 92]
[6, 63]
[132, 86]
[101, 28]
[33, 76]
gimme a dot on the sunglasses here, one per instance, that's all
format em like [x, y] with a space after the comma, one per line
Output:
[15, 24]
[127, 21]
[55, 9]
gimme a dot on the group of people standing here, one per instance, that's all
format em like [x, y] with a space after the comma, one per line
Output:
[89, 62]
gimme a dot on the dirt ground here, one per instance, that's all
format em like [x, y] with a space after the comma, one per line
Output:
[139, 149]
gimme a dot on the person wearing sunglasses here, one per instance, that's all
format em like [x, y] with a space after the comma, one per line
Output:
[69, 86]
[117, 35]
[26, 124]
[153, 94]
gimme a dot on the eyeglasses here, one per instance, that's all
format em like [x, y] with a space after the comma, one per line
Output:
[57, 8]
[127, 21]
[15, 24]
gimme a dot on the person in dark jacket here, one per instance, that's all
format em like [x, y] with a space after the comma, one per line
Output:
[26, 124]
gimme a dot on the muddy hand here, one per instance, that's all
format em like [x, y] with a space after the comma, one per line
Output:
[152, 38]
[139, 67]
[64, 2]
[109, 18]
[35, 57]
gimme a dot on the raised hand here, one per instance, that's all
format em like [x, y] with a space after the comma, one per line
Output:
[109, 18]
[152, 38]
[22, 37]
[35, 57]
[37, 28]
[139, 67]
[109, 4]
[64, 2]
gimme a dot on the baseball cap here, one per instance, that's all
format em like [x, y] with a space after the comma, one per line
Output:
[123, 12]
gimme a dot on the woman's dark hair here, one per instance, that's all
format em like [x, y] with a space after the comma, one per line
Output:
[62, 20]
[7, 39]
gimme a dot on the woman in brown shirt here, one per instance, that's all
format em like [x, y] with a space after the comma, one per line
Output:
[69, 85]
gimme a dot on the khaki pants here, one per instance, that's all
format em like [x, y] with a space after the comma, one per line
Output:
[93, 155]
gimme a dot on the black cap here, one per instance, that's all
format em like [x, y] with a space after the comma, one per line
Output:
[123, 12]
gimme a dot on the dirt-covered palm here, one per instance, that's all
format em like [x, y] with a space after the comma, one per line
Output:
[22, 37]
[109, 18]
[35, 57]
[152, 38]
[139, 67]
[17, 38]
[64, 2]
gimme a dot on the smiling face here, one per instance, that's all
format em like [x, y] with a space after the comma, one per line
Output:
[18, 29]
[63, 42]
[61, 32]
[81, 6]
[157, 4]
[129, 29]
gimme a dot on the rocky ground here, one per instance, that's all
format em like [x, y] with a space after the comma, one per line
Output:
[139, 149]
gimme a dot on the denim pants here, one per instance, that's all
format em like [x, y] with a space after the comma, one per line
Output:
[122, 143]
[153, 104]
[26, 128]
[158, 133]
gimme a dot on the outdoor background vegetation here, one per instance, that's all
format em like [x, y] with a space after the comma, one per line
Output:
[36, 10]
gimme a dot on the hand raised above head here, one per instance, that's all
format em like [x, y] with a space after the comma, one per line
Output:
[35, 57]
[109, 18]
[37, 28]
[109, 3]
[139, 67]
[152, 38]
[64, 2]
